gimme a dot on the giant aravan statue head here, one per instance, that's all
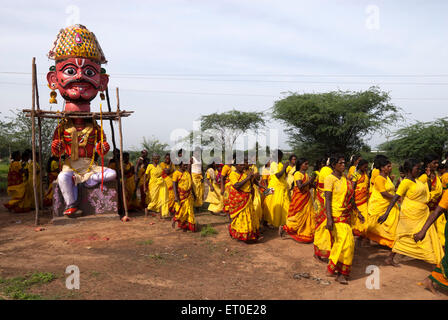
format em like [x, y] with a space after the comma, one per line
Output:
[77, 73]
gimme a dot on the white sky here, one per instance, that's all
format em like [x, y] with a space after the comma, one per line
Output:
[199, 57]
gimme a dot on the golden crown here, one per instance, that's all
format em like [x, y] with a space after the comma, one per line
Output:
[76, 41]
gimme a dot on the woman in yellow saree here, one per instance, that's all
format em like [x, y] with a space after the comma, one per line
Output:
[257, 198]
[277, 203]
[184, 199]
[354, 161]
[53, 171]
[339, 202]
[225, 184]
[244, 224]
[431, 164]
[322, 238]
[214, 196]
[129, 183]
[157, 189]
[360, 181]
[300, 222]
[16, 186]
[167, 174]
[380, 199]
[439, 276]
[290, 170]
[413, 215]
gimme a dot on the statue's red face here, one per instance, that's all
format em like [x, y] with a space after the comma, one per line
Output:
[78, 81]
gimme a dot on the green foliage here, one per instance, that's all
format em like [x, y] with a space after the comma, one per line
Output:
[208, 231]
[16, 288]
[334, 122]
[15, 134]
[154, 146]
[226, 127]
[4, 167]
[418, 140]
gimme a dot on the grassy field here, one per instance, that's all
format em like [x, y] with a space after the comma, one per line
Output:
[3, 176]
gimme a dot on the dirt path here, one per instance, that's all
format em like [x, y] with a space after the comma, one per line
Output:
[147, 259]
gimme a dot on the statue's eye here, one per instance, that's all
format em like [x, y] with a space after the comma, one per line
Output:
[89, 72]
[70, 71]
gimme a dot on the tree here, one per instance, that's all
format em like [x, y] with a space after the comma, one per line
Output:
[153, 146]
[334, 122]
[225, 128]
[15, 134]
[418, 140]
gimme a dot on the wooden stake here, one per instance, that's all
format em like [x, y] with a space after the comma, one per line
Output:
[39, 132]
[121, 157]
[33, 141]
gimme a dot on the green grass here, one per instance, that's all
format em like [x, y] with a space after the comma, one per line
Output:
[208, 231]
[4, 167]
[145, 243]
[17, 288]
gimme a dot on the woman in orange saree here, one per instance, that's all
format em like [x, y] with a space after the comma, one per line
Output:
[360, 181]
[300, 221]
[244, 224]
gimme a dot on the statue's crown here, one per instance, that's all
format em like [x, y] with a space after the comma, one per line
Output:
[77, 42]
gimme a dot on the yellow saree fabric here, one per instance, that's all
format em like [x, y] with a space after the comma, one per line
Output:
[214, 197]
[300, 223]
[16, 189]
[157, 191]
[244, 224]
[343, 243]
[184, 211]
[169, 184]
[277, 204]
[322, 237]
[384, 233]
[361, 199]
[413, 214]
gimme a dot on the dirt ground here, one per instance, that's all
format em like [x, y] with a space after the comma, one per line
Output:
[146, 259]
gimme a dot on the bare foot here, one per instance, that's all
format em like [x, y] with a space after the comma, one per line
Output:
[281, 232]
[329, 274]
[342, 279]
[173, 224]
[319, 259]
[390, 261]
[427, 283]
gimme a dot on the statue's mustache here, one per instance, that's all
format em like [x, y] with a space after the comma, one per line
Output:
[65, 84]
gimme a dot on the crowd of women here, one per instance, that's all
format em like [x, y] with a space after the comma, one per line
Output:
[329, 207]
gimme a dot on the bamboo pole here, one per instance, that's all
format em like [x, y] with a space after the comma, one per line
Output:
[39, 132]
[121, 158]
[33, 141]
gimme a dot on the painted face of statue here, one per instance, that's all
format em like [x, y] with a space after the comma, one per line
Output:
[77, 73]
[78, 80]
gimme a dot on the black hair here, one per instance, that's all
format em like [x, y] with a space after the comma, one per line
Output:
[15, 154]
[378, 160]
[299, 163]
[409, 164]
[361, 163]
[401, 169]
[50, 160]
[381, 162]
[291, 156]
[354, 158]
[428, 159]
[334, 159]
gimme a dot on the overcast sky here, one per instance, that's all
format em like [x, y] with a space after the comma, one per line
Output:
[176, 60]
